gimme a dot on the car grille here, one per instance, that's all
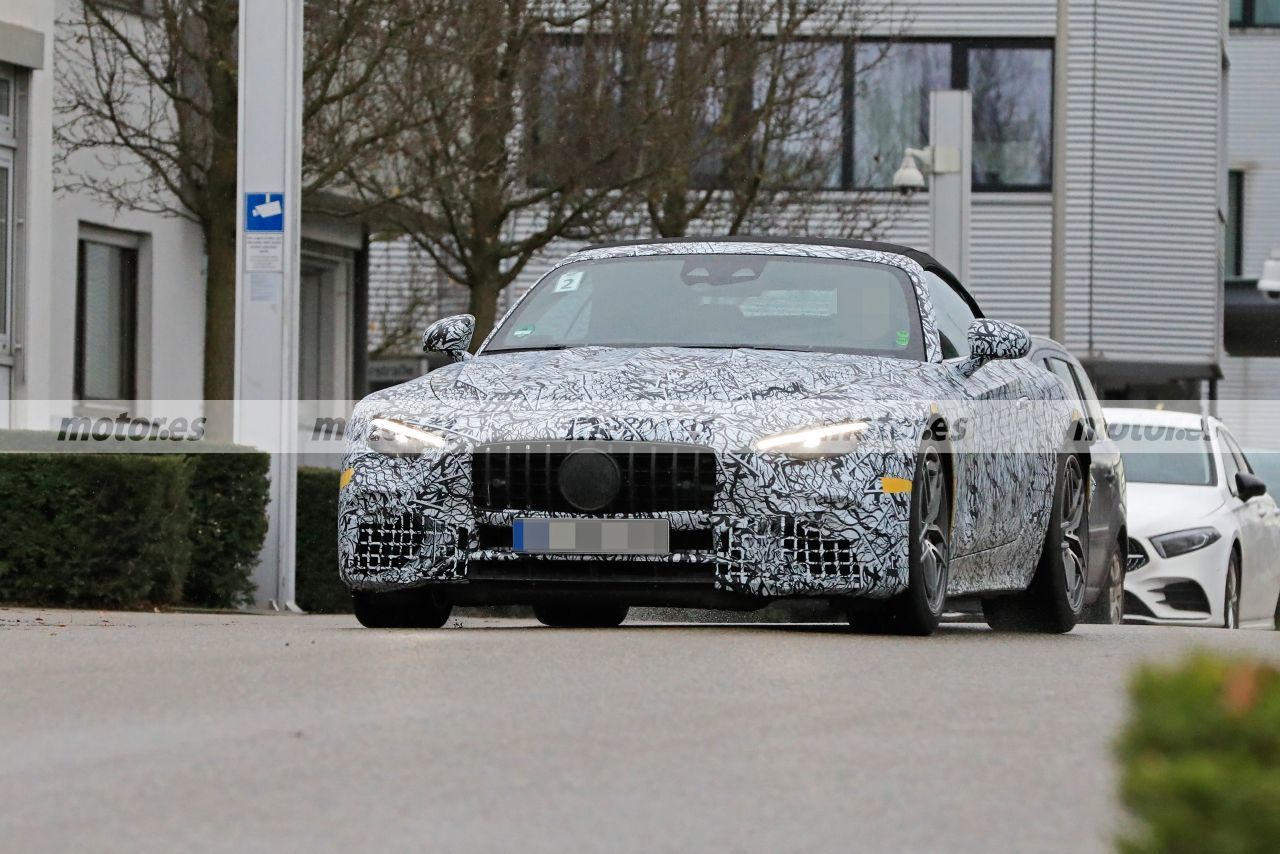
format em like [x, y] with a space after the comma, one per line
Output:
[1138, 557]
[388, 543]
[823, 557]
[653, 477]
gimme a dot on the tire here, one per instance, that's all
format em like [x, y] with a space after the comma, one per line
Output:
[399, 609]
[917, 610]
[1231, 594]
[581, 615]
[1108, 610]
[1054, 602]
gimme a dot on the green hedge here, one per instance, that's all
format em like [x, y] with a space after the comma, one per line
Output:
[100, 530]
[1201, 758]
[228, 498]
[318, 589]
[131, 528]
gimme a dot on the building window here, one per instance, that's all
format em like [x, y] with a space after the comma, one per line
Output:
[106, 321]
[1233, 256]
[1012, 85]
[1255, 13]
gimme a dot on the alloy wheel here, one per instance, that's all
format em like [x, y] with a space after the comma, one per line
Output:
[1115, 592]
[934, 549]
[1073, 553]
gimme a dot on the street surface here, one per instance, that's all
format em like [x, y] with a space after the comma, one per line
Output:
[208, 731]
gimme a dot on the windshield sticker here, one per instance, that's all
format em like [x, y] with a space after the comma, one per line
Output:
[568, 282]
[903, 338]
[522, 331]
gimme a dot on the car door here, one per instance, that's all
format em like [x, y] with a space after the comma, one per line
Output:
[985, 517]
[1106, 479]
[1260, 540]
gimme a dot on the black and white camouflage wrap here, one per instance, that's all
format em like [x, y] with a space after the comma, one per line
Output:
[727, 400]
[450, 335]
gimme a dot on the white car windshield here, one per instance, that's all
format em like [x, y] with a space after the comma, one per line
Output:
[768, 302]
[1158, 453]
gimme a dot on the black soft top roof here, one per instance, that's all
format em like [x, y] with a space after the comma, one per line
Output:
[924, 259]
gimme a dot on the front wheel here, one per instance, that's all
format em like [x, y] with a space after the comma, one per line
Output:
[1231, 597]
[1055, 599]
[399, 609]
[917, 610]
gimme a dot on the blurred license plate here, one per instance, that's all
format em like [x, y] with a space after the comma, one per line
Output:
[592, 536]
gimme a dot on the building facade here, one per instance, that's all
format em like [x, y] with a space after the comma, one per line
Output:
[1145, 178]
[103, 309]
[1250, 389]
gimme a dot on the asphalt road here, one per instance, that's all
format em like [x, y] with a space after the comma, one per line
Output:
[195, 732]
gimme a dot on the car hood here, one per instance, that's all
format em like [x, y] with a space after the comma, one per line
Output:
[671, 373]
[723, 398]
[1159, 508]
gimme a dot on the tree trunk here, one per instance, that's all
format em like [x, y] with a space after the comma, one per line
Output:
[220, 323]
[484, 301]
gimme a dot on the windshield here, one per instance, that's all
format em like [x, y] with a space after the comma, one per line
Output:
[1163, 454]
[722, 301]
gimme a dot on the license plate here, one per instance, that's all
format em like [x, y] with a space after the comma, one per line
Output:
[592, 536]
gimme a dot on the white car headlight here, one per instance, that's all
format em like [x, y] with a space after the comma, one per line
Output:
[827, 441]
[1182, 542]
[399, 438]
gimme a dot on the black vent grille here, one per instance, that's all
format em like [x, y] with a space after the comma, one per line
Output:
[387, 544]
[1138, 557]
[1185, 596]
[655, 477]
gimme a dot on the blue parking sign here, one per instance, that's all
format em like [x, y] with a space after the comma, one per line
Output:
[264, 211]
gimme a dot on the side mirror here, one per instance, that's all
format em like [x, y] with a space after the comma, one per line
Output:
[995, 339]
[1249, 485]
[450, 336]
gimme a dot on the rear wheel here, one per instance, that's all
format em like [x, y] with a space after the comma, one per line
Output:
[1108, 610]
[581, 615]
[399, 609]
[1231, 598]
[1055, 600]
[916, 611]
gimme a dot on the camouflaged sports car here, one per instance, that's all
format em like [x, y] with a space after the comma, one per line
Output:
[718, 424]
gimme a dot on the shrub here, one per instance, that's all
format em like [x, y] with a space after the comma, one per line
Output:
[317, 586]
[93, 530]
[1201, 757]
[228, 500]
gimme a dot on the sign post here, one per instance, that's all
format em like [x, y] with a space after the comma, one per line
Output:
[268, 251]
[951, 130]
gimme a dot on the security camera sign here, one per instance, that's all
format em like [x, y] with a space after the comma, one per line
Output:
[264, 212]
[264, 232]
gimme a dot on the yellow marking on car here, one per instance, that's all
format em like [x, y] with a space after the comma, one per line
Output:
[894, 485]
[347, 474]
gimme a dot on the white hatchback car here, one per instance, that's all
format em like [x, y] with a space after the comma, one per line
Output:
[1204, 537]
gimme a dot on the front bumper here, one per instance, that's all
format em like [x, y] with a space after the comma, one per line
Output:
[1185, 590]
[775, 528]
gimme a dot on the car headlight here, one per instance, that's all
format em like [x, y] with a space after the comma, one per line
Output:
[399, 438]
[812, 442]
[1182, 542]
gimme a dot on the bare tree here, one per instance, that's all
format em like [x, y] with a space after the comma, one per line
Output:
[540, 121]
[147, 119]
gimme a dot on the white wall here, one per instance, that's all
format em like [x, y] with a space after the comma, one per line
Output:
[1250, 388]
[34, 234]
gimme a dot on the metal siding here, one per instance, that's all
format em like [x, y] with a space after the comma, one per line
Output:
[998, 18]
[1250, 388]
[1155, 180]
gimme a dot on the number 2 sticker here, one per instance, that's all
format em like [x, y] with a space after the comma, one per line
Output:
[568, 282]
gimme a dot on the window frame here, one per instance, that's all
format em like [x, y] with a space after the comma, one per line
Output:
[960, 47]
[1249, 17]
[1235, 211]
[130, 258]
